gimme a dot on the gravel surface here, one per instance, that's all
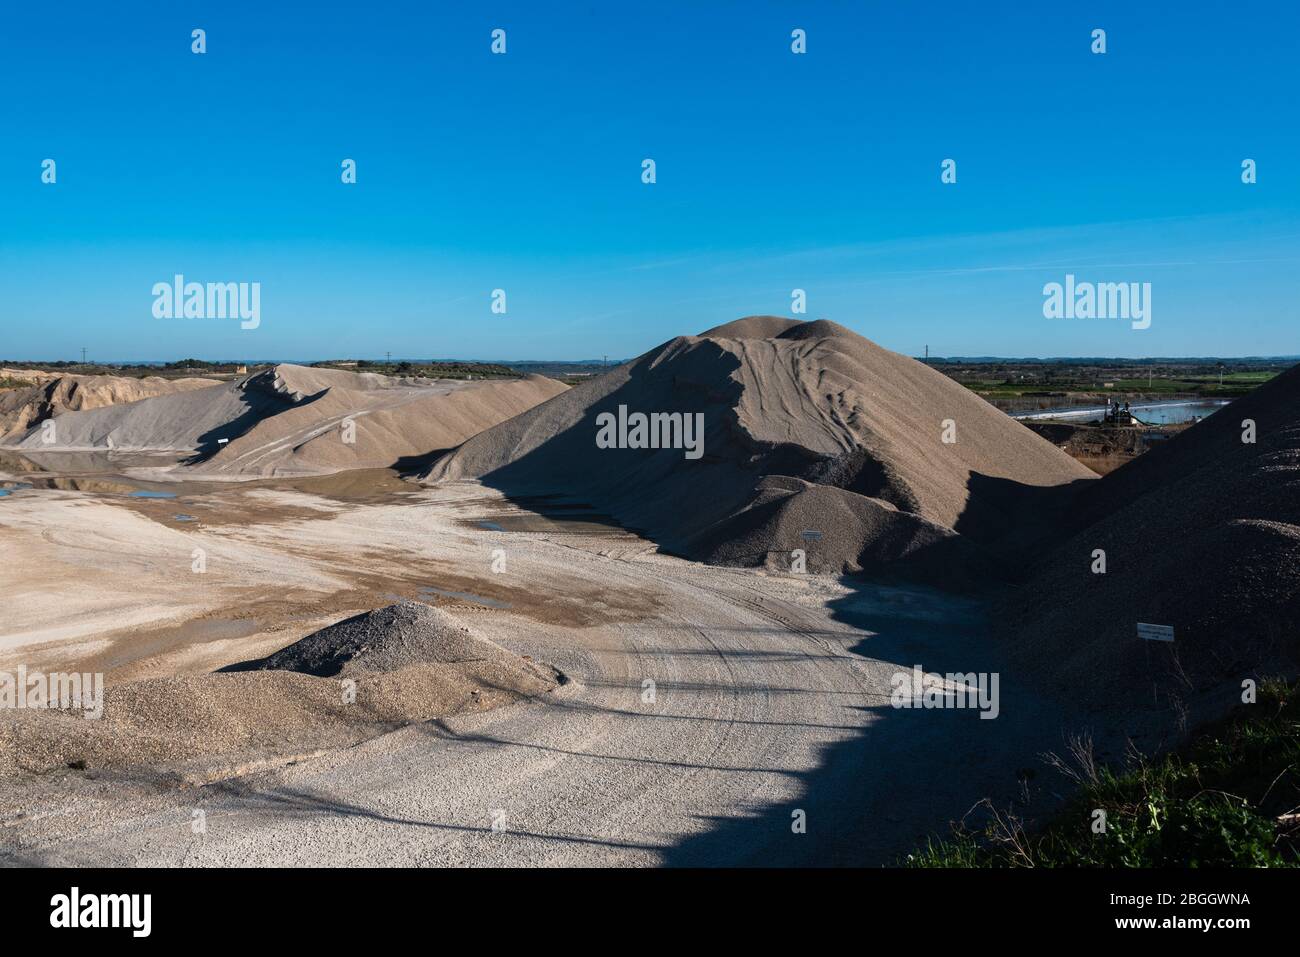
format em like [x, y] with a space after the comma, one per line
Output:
[771, 696]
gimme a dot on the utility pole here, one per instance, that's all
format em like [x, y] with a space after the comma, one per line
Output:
[389, 360]
[83, 356]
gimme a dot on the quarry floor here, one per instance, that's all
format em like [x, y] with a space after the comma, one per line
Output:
[712, 716]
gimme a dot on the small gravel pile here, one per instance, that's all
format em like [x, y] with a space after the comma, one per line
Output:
[389, 639]
[354, 680]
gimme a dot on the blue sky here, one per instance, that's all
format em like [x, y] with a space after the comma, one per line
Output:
[775, 171]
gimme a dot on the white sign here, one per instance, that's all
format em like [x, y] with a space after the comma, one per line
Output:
[1155, 632]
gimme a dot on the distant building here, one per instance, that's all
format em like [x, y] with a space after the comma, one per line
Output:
[240, 370]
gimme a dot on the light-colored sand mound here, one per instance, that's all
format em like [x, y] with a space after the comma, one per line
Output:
[52, 394]
[812, 401]
[393, 421]
[181, 422]
[1202, 533]
[401, 665]
[293, 420]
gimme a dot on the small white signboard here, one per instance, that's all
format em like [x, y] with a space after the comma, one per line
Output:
[1155, 632]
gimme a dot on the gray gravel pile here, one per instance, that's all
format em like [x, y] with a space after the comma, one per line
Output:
[389, 639]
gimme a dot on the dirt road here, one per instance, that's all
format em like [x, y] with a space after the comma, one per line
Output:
[769, 708]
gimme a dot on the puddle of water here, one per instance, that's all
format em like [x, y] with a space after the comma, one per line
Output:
[548, 513]
[147, 494]
[4, 492]
[185, 518]
[1151, 413]
[426, 590]
[142, 645]
[592, 523]
[79, 484]
[355, 485]
[65, 462]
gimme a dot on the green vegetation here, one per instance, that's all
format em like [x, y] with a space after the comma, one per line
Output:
[1227, 799]
[1190, 378]
[6, 382]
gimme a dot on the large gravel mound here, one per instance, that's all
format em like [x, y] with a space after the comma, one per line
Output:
[803, 400]
[1203, 534]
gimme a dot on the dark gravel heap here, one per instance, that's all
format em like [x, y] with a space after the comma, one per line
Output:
[388, 639]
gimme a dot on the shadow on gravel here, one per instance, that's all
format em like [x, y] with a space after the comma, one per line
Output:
[908, 773]
[292, 803]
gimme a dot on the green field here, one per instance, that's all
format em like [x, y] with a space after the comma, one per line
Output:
[1059, 384]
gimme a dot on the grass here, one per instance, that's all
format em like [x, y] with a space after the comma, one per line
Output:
[9, 383]
[1229, 798]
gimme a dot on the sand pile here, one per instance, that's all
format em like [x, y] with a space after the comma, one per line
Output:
[51, 394]
[337, 687]
[391, 420]
[293, 420]
[862, 429]
[396, 637]
[1201, 533]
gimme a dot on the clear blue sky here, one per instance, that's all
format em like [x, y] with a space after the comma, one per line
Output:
[523, 172]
